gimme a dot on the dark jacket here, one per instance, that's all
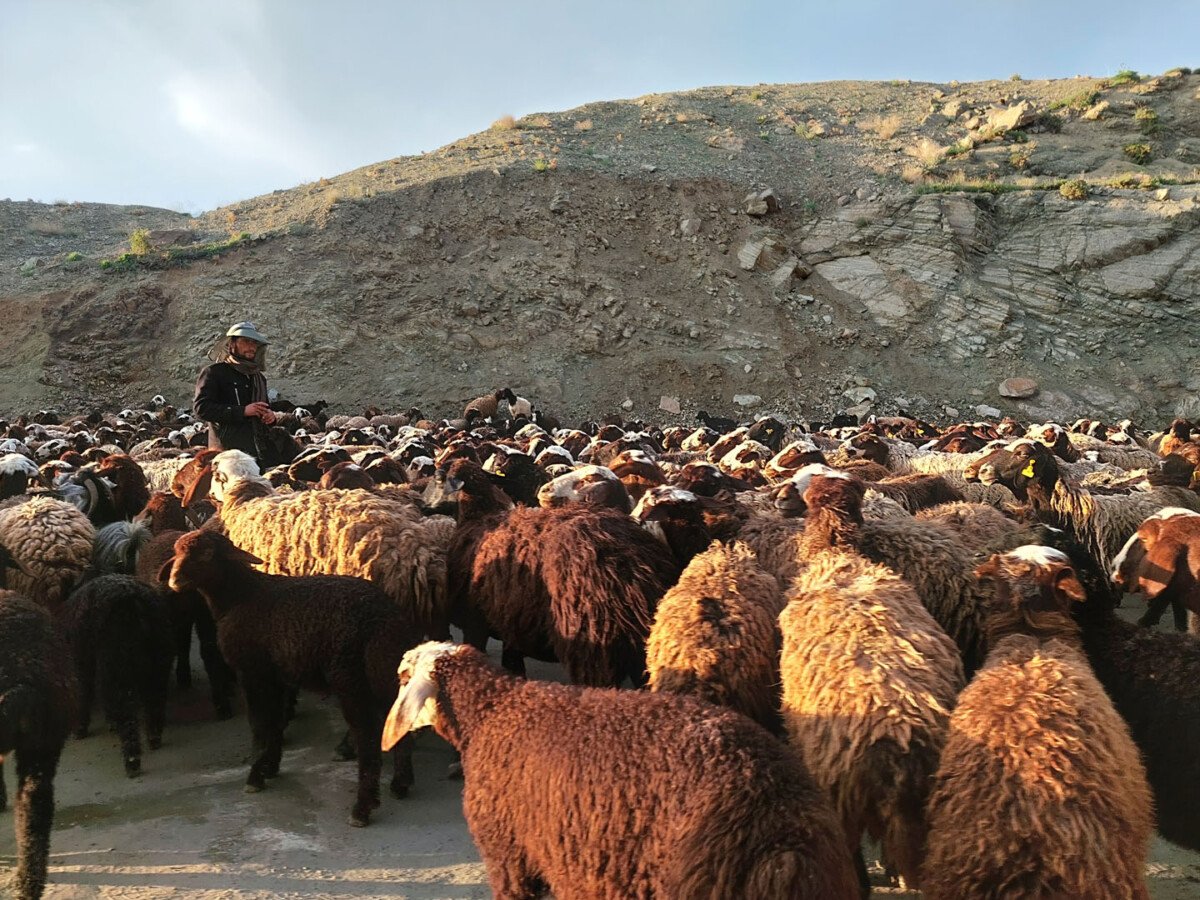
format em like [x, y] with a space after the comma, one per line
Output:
[222, 393]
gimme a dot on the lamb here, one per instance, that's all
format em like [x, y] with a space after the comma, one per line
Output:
[710, 804]
[869, 680]
[120, 632]
[37, 703]
[330, 633]
[715, 634]
[485, 407]
[1162, 560]
[366, 534]
[51, 545]
[577, 583]
[1040, 787]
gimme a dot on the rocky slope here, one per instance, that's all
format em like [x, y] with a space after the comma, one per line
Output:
[801, 248]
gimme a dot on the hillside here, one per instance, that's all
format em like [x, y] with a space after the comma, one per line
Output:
[907, 245]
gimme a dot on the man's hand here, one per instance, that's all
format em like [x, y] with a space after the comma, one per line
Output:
[260, 410]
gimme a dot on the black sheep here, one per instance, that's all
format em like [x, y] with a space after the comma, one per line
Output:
[37, 701]
[120, 634]
[329, 633]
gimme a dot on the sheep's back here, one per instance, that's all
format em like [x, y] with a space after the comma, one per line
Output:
[715, 634]
[51, 541]
[657, 795]
[1040, 786]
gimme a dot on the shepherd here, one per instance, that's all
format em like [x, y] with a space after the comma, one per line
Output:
[231, 395]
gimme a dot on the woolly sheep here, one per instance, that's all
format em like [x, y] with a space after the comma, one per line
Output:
[869, 679]
[51, 545]
[715, 634]
[710, 805]
[37, 702]
[1040, 791]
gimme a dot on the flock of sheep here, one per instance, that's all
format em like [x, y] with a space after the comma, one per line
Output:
[781, 638]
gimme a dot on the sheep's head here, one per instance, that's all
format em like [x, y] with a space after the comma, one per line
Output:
[675, 517]
[588, 484]
[1148, 561]
[790, 496]
[1031, 464]
[416, 701]
[17, 472]
[467, 484]
[793, 457]
[1033, 588]
[867, 446]
[201, 556]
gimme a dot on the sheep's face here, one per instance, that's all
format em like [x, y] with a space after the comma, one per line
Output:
[1030, 463]
[1033, 588]
[416, 701]
[588, 484]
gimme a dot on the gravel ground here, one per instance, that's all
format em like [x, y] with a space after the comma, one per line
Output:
[185, 829]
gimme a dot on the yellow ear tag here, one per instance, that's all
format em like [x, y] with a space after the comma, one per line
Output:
[1028, 470]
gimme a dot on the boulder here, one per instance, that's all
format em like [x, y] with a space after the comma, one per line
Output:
[761, 203]
[1018, 388]
[747, 399]
[1006, 118]
[670, 405]
[988, 412]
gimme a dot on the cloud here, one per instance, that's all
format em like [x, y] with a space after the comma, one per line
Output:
[238, 118]
[24, 147]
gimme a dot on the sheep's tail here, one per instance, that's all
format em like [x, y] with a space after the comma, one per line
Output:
[116, 546]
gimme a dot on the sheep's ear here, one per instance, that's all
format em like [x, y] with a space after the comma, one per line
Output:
[409, 710]
[245, 556]
[989, 569]
[1029, 469]
[1067, 585]
[164, 572]
[200, 487]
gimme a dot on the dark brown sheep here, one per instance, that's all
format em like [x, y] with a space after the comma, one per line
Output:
[330, 633]
[37, 704]
[578, 583]
[608, 795]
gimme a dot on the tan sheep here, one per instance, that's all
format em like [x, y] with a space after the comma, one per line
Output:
[50, 543]
[716, 636]
[869, 680]
[339, 532]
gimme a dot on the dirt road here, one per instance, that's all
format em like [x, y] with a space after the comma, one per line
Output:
[185, 829]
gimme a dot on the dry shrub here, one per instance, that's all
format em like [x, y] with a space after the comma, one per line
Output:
[47, 227]
[504, 123]
[535, 122]
[928, 153]
[1075, 189]
[583, 125]
[913, 173]
[1096, 112]
[885, 127]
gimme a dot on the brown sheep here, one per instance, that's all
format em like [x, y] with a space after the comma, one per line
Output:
[1162, 561]
[578, 583]
[869, 679]
[1040, 791]
[716, 636]
[610, 795]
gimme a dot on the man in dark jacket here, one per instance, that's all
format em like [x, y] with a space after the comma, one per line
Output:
[231, 395]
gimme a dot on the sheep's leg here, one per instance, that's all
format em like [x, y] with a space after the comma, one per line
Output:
[513, 660]
[181, 626]
[402, 766]
[220, 676]
[85, 672]
[1179, 612]
[508, 869]
[3, 789]
[33, 817]
[864, 879]
[121, 707]
[264, 708]
[154, 696]
[1154, 613]
[366, 726]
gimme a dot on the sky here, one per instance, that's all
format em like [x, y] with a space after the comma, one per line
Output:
[192, 105]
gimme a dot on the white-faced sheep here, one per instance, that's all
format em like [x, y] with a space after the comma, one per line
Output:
[1162, 561]
[329, 633]
[709, 804]
[597, 485]
[37, 703]
[716, 634]
[869, 679]
[360, 533]
[1040, 791]
[577, 583]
